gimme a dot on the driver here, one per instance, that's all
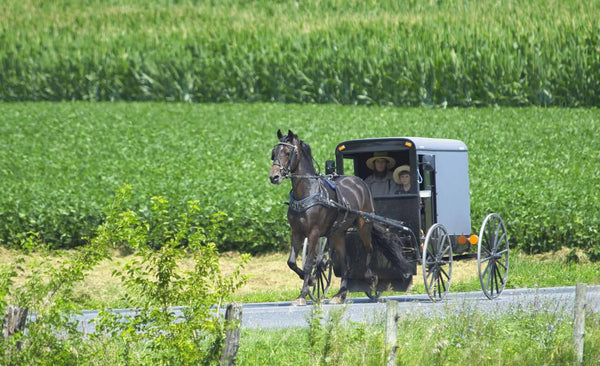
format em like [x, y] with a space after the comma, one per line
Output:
[381, 182]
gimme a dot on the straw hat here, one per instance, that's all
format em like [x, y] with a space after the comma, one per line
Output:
[399, 170]
[379, 155]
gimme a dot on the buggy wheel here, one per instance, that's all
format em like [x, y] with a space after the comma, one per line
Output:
[321, 272]
[437, 262]
[492, 256]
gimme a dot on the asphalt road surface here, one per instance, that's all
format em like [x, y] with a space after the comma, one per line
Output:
[363, 310]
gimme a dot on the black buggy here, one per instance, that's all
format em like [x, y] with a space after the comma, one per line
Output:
[433, 219]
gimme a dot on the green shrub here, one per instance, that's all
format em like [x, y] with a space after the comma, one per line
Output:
[154, 284]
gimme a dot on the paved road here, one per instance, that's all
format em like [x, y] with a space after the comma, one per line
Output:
[278, 315]
[285, 314]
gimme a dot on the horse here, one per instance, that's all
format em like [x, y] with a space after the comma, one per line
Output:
[312, 215]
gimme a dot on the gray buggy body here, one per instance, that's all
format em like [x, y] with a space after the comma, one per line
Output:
[439, 172]
[439, 194]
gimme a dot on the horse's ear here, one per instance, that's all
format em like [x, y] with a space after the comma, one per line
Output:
[279, 134]
[291, 135]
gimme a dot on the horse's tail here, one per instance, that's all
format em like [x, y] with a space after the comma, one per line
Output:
[390, 244]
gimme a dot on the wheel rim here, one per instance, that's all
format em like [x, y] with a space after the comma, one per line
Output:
[492, 256]
[321, 272]
[437, 262]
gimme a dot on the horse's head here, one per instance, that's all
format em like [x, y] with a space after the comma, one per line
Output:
[285, 157]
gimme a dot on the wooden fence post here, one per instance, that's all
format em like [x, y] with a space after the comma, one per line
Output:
[579, 322]
[14, 321]
[391, 332]
[233, 322]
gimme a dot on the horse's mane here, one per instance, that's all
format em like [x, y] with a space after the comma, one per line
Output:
[306, 149]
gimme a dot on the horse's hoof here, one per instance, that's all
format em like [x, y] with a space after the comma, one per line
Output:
[337, 300]
[299, 302]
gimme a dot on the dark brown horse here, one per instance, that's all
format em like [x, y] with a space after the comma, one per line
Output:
[312, 216]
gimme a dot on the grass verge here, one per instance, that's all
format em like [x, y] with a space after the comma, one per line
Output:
[271, 280]
[538, 336]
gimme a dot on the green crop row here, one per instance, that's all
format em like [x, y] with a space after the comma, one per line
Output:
[61, 163]
[455, 52]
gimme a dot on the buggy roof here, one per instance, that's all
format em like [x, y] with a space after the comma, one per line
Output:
[393, 143]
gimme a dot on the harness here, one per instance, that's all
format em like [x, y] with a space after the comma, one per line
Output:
[318, 198]
[322, 198]
[308, 202]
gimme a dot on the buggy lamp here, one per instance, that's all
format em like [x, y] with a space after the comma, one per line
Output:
[462, 240]
[343, 147]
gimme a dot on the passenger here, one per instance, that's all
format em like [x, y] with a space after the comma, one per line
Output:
[402, 177]
[381, 181]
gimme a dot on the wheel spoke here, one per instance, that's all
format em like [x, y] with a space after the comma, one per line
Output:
[492, 278]
[498, 228]
[486, 269]
[486, 259]
[502, 252]
[443, 272]
[499, 276]
[321, 271]
[433, 278]
[447, 250]
[488, 238]
[485, 243]
[321, 285]
[502, 264]
[441, 285]
[503, 238]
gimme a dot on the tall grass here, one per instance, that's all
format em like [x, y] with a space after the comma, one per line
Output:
[463, 336]
[457, 52]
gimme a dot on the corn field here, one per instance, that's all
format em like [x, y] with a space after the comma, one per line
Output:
[401, 53]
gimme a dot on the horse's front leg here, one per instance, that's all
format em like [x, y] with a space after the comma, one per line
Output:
[297, 243]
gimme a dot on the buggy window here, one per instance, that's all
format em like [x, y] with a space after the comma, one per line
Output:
[349, 166]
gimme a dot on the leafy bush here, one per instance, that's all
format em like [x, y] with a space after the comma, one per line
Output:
[154, 283]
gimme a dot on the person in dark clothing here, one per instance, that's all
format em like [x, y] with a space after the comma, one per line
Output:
[381, 182]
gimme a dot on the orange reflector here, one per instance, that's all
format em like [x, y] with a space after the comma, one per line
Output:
[343, 147]
[408, 144]
[473, 239]
[462, 240]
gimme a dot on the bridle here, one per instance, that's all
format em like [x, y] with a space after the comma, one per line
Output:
[285, 170]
